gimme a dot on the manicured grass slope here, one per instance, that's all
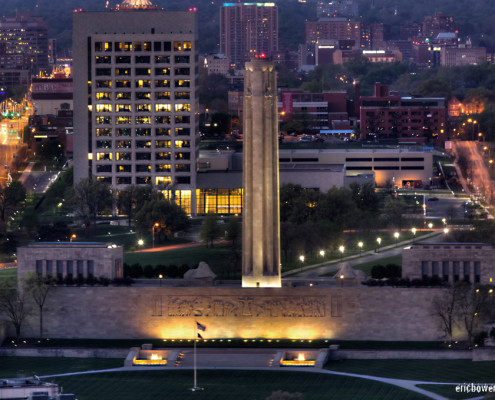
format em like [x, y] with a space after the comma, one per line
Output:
[8, 274]
[448, 392]
[12, 367]
[220, 385]
[424, 370]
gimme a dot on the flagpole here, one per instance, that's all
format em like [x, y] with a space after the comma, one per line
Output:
[196, 335]
[195, 338]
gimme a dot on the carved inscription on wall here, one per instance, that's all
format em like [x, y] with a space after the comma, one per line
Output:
[246, 306]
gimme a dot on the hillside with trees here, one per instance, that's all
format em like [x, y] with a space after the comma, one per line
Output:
[473, 19]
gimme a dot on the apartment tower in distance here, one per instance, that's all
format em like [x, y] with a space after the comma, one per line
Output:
[248, 30]
[135, 98]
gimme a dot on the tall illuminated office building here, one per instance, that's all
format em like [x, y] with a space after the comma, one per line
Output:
[135, 98]
[248, 30]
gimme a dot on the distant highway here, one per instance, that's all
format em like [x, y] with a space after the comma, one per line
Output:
[477, 172]
[10, 141]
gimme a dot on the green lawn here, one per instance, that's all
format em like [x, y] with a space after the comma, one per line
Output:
[366, 267]
[424, 370]
[448, 391]
[12, 367]
[220, 385]
[220, 259]
[122, 236]
[8, 274]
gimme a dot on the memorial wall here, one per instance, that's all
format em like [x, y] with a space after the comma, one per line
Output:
[352, 313]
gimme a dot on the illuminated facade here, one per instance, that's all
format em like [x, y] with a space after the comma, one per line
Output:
[247, 30]
[260, 178]
[135, 98]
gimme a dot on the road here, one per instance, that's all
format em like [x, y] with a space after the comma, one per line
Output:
[478, 176]
[445, 207]
[10, 141]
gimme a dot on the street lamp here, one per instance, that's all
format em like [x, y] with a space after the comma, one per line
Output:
[341, 280]
[322, 253]
[430, 225]
[153, 232]
[360, 245]
[396, 236]
[445, 230]
[444, 221]
[413, 230]
[140, 242]
[341, 249]
[160, 277]
[379, 240]
[72, 237]
[301, 257]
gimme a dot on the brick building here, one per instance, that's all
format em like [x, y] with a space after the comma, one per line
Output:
[386, 115]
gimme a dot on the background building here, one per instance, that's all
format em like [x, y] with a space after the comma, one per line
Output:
[49, 95]
[248, 29]
[450, 262]
[386, 115]
[25, 38]
[71, 260]
[138, 125]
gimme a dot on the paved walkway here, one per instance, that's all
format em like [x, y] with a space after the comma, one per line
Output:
[402, 383]
[26, 172]
[366, 256]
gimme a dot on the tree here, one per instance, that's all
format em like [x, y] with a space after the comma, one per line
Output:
[233, 230]
[473, 306]
[444, 308]
[59, 231]
[169, 217]
[210, 230]
[13, 306]
[365, 197]
[434, 88]
[394, 211]
[55, 195]
[38, 287]
[130, 199]
[463, 305]
[337, 206]
[11, 198]
[87, 198]
[50, 152]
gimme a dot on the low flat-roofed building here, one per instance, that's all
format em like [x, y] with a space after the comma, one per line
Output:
[450, 262]
[401, 167]
[71, 260]
[27, 388]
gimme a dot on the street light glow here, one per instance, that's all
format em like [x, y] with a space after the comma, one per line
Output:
[413, 230]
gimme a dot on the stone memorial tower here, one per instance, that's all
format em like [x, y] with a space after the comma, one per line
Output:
[261, 216]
